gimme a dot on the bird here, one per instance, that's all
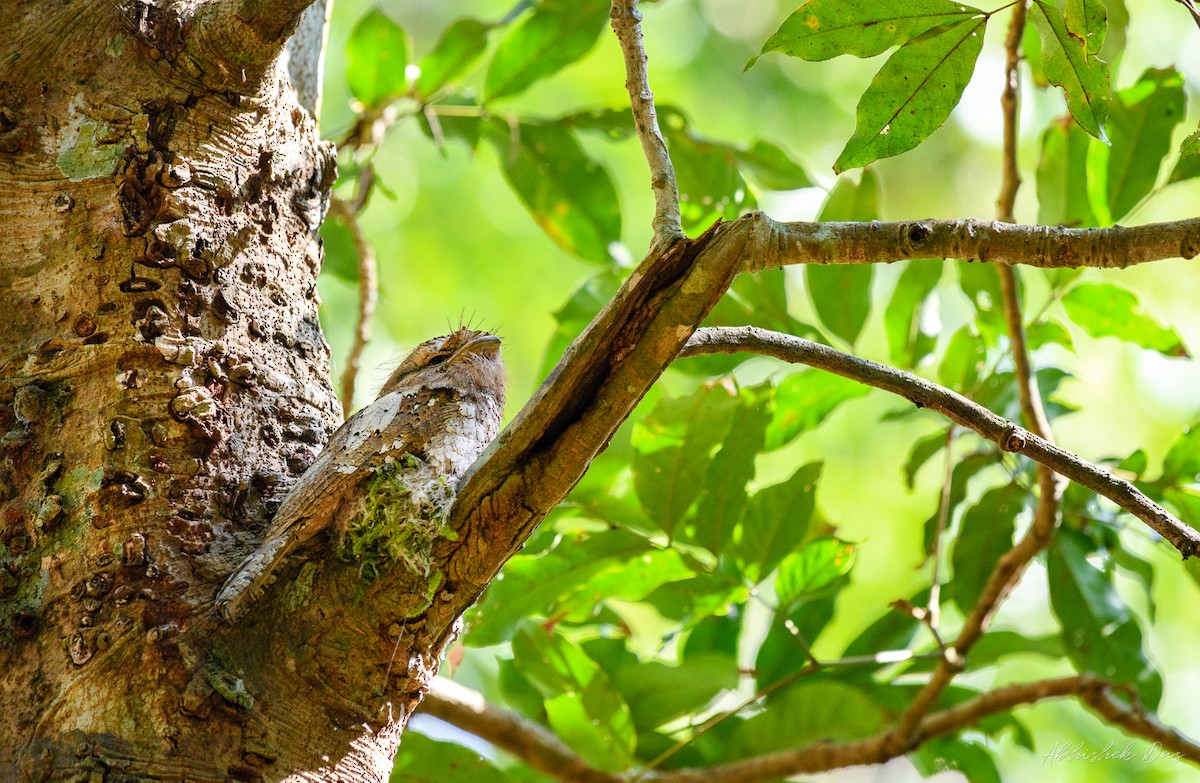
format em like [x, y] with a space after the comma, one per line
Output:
[396, 460]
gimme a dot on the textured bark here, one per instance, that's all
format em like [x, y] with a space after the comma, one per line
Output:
[163, 380]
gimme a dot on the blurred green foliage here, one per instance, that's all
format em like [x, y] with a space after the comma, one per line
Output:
[750, 519]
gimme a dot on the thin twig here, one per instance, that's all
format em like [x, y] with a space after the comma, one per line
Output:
[1191, 7]
[926, 394]
[367, 294]
[1134, 720]
[627, 24]
[934, 605]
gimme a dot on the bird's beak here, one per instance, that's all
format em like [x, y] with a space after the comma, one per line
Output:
[484, 345]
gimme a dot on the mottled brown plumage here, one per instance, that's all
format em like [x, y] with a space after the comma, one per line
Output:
[441, 406]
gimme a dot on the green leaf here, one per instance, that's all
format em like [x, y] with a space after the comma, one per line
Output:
[894, 630]
[1100, 634]
[1187, 168]
[1048, 332]
[781, 653]
[716, 634]
[1107, 310]
[775, 522]
[1082, 77]
[461, 45]
[534, 584]
[963, 472]
[440, 125]
[1140, 126]
[907, 342]
[569, 195]
[1182, 463]
[709, 178]
[841, 293]
[1087, 22]
[421, 759]
[921, 452]
[809, 711]
[981, 284]
[973, 760]
[805, 573]
[985, 533]
[673, 448]
[771, 168]
[582, 707]
[376, 55]
[556, 34]
[1190, 145]
[723, 494]
[821, 29]
[1062, 186]
[803, 400]
[630, 579]
[913, 93]
[341, 258]
[657, 693]
[964, 358]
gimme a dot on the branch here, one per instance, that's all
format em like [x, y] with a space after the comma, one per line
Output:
[1134, 720]
[780, 244]
[528, 740]
[243, 33]
[626, 23]
[367, 296]
[925, 394]
[544, 751]
[1191, 7]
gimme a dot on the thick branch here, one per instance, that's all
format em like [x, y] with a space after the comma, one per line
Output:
[626, 23]
[244, 32]
[780, 244]
[925, 394]
[544, 751]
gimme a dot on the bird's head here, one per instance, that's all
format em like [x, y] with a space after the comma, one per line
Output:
[465, 359]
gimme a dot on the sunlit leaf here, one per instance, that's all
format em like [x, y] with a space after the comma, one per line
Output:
[971, 759]
[1048, 332]
[1082, 77]
[841, 293]
[1087, 21]
[709, 178]
[985, 533]
[964, 470]
[673, 447]
[376, 55]
[810, 711]
[1107, 310]
[459, 47]
[556, 34]
[533, 585]
[1140, 126]
[964, 358]
[453, 117]
[1062, 186]
[569, 195]
[913, 93]
[821, 29]
[804, 399]
[1099, 633]
[771, 168]
[806, 572]
[421, 759]
[1191, 145]
[657, 693]
[723, 494]
[582, 707]
[907, 342]
[775, 521]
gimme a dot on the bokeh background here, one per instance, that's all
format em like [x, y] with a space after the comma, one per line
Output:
[453, 243]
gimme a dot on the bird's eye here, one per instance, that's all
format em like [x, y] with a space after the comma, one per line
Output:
[441, 357]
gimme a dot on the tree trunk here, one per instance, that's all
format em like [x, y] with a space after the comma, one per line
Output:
[163, 380]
